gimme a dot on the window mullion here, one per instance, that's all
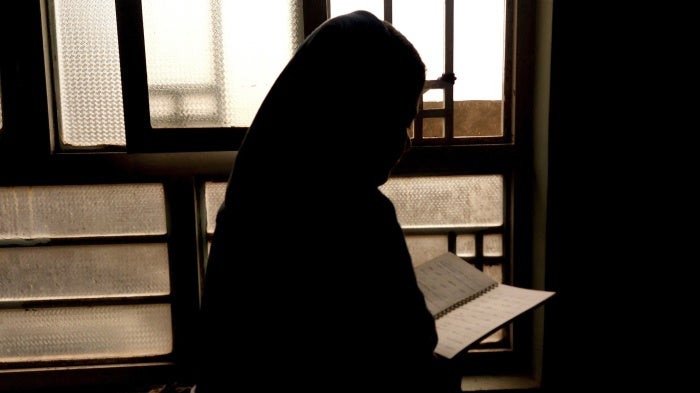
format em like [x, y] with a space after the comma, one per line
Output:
[448, 75]
[315, 13]
[132, 57]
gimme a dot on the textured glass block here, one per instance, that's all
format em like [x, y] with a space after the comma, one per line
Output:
[494, 271]
[88, 73]
[75, 333]
[82, 210]
[88, 271]
[466, 245]
[493, 245]
[204, 70]
[425, 247]
[498, 336]
[447, 201]
[214, 193]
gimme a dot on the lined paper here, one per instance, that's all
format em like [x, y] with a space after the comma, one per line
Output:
[476, 319]
[467, 304]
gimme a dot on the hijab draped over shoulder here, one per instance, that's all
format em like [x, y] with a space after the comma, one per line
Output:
[309, 282]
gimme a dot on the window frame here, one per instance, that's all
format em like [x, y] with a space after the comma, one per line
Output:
[184, 159]
[140, 136]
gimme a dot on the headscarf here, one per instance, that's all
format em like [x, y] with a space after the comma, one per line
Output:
[342, 105]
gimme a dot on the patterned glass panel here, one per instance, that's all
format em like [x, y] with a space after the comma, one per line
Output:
[88, 271]
[493, 245]
[75, 333]
[425, 247]
[88, 73]
[82, 210]
[466, 245]
[494, 271]
[204, 70]
[447, 201]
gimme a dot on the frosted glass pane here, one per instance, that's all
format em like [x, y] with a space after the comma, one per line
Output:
[82, 210]
[88, 73]
[340, 7]
[204, 70]
[494, 271]
[74, 333]
[447, 201]
[214, 193]
[425, 247]
[466, 245]
[89, 271]
[493, 245]
[479, 47]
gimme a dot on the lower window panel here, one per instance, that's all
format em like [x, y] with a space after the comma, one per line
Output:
[79, 333]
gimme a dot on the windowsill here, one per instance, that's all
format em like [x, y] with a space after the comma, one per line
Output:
[474, 383]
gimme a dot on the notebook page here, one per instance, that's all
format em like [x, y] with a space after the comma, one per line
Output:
[474, 320]
[448, 280]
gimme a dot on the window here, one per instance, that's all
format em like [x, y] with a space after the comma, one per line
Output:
[119, 122]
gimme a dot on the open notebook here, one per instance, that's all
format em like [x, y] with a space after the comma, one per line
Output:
[467, 304]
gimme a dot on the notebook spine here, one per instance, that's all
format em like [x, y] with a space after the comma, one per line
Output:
[464, 301]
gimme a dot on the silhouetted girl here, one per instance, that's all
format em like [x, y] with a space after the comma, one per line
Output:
[309, 285]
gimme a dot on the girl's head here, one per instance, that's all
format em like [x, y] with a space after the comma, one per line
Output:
[343, 103]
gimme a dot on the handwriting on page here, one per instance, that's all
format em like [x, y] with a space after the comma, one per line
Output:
[445, 283]
[474, 320]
